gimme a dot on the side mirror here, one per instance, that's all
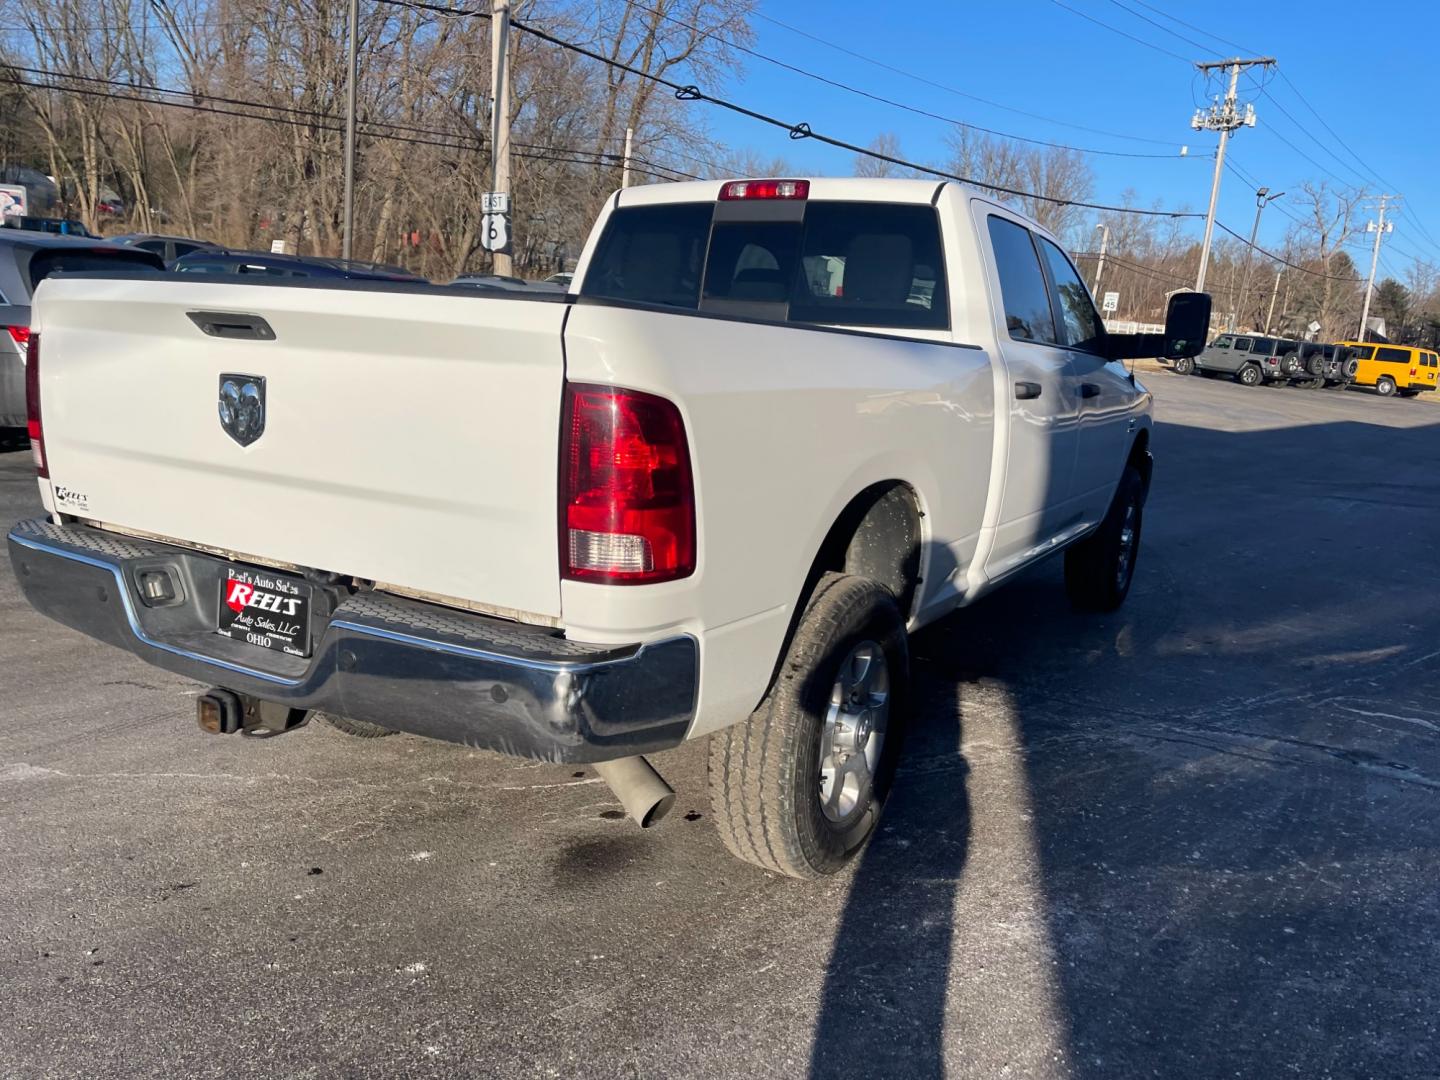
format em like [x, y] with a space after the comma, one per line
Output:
[1187, 324]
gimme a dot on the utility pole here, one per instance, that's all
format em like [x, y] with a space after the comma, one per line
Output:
[1379, 229]
[348, 232]
[1224, 118]
[625, 168]
[1100, 268]
[1262, 199]
[500, 110]
[1273, 294]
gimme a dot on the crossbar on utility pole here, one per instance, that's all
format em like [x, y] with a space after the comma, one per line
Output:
[500, 110]
[1223, 118]
[1380, 230]
[353, 69]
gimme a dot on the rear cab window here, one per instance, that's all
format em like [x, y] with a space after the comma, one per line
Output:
[823, 262]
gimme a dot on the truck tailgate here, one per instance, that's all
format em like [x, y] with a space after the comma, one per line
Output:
[409, 438]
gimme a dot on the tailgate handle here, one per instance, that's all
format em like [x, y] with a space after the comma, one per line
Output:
[232, 324]
[1025, 391]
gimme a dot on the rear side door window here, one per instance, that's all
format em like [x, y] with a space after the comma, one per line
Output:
[1023, 292]
[1392, 356]
[1243, 344]
[1079, 324]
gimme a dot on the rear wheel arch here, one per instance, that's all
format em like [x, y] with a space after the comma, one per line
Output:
[879, 536]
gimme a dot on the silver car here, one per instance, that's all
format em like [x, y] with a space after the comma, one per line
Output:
[26, 258]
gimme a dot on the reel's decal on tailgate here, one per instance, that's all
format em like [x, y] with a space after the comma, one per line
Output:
[71, 499]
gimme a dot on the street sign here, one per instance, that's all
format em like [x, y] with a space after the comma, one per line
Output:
[1111, 303]
[12, 200]
[495, 225]
[495, 233]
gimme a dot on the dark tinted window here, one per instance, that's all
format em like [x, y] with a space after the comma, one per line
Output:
[871, 264]
[1363, 352]
[652, 254]
[1392, 356]
[1264, 345]
[157, 246]
[182, 250]
[1243, 344]
[846, 264]
[1022, 286]
[1079, 322]
[45, 263]
[752, 261]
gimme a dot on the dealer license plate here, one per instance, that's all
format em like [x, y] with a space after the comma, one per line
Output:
[266, 610]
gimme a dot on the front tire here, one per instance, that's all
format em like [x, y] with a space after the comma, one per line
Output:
[1100, 568]
[798, 787]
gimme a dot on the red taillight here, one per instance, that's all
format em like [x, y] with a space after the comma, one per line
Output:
[20, 335]
[765, 189]
[627, 499]
[32, 402]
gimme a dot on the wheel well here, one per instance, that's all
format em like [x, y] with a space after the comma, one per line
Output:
[1140, 457]
[876, 536]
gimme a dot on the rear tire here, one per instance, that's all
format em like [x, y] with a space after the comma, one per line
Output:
[1185, 366]
[798, 787]
[359, 729]
[1100, 568]
[1250, 375]
[1385, 387]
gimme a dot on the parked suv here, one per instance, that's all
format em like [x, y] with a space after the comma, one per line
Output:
[1330, 366]
[1251, 358]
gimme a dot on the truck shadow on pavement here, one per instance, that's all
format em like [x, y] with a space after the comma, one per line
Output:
[1229, 794]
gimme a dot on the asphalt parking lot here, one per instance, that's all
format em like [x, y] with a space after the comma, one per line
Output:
[1200, 837]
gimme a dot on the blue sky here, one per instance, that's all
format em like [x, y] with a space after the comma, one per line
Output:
[1040, 58]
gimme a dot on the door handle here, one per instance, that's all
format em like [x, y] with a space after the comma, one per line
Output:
[1089, 389]
[231, 324]
[1027, 390]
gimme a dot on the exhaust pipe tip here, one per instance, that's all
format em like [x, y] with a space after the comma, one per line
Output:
[641, 790]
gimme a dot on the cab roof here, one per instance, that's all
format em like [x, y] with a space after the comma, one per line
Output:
[843, 189]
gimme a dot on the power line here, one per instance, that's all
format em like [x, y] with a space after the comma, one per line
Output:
[891, 102]
[953, 90]
[1283, 261]
[1197, 29]
[537, 152]
[1166, 29]
[797, 131]
[1122, 33]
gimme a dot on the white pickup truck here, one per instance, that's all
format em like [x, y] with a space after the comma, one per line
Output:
[776, 425]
